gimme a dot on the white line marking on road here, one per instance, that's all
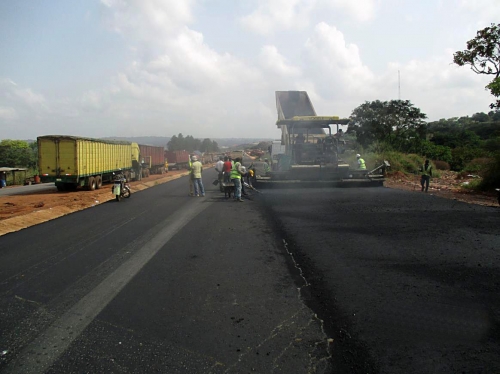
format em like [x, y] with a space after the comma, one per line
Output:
[42, 352]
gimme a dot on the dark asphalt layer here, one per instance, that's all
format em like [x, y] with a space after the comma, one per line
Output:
[160, 282]
[405, 282]
[402, 282]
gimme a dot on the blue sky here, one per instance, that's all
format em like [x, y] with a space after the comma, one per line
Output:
[209, 68]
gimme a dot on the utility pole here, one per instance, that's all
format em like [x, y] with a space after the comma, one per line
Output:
[399, 86]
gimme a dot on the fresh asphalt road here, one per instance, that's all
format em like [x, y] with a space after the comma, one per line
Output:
[405, 282]
[161, 282]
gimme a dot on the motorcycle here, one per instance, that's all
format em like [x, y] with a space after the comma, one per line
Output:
[120, 187]
[498, 192]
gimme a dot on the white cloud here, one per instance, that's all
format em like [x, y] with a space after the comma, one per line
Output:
[336, 65]
[273, 15]
[339, 80]
[359, 10]
[8, 113]
[440, 88]
[278, 14]
[24, 98]
[176, 81]
[275, 63]
[148, 21]
[484, 11]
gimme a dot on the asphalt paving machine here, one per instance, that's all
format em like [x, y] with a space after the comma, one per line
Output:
[312, 154]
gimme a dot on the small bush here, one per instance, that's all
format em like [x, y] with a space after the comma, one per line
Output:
[491, 179]
[478, 166]
[472, 185]
[441, 165]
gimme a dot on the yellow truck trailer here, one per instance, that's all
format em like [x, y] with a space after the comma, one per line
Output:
[72, 161]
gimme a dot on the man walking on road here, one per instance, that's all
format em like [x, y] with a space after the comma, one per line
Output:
[197, 168]
[425, 179]
[236, 173]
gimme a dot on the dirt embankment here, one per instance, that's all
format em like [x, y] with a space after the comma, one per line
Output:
[21, 211]
[449, 185]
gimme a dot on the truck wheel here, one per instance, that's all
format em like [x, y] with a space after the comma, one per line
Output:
[91, 184]
[98, 182]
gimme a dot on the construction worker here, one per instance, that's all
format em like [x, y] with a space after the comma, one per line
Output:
[197, 169]
[227, 169]
[219, 168]
[191, 176]
[267, 168]
[361, 162]
[425, 179]
[236, 173]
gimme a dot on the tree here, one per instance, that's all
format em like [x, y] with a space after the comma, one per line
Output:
[394, 122]
[483, 56]
[480, 117]
[190, 144]
[17, 153]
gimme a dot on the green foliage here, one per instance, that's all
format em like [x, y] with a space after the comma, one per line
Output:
[457, 138]
[463, 155]
[436, 152]
[403, 162]
[492, 145]
[17, 153]
[494, 87]
[474, 184]
[442, 165]
[480, 117]
[208, 145]
[393, 122]
[483, 56]
[491, 179]
[478, 166]
[190, 144]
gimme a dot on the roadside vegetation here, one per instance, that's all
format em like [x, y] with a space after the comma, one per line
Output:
[396, 130]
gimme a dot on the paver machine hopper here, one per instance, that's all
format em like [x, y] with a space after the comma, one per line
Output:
[312, 153]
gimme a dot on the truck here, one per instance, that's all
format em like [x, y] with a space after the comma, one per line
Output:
[311, 153]
[152, 160]
[177, 159]
[237, 154]
[71, 161]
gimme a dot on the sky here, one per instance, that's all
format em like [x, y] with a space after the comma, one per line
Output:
[210, 68]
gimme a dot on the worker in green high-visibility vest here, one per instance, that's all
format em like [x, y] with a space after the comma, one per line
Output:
[361, 162]
[425, 178]
[236, 173]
